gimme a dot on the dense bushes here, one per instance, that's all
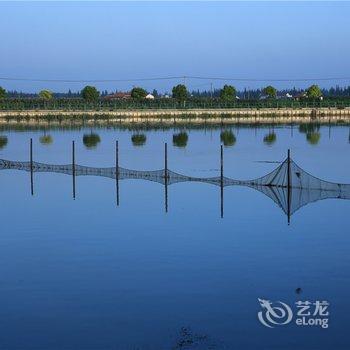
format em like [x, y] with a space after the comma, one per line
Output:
[71, 104]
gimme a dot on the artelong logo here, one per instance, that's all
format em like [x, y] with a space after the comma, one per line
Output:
[308, 313]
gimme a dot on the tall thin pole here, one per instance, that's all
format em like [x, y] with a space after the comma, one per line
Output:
[31, 167]
[289, 181]
[73, 167]
[222, 181]
[166, 175]
[117, 169]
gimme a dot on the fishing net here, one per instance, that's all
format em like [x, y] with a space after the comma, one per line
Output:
[289, 186]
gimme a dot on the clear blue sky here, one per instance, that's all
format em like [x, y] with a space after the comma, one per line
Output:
[126, 40]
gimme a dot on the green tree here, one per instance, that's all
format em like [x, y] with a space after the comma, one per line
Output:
[180, 92]
[138, 93]
[45, 94]
[228, 92]
[270, 91]
[270, 138]
[228, 138]
[90, 93]
[91, 140]
[2, 92]
[138, 139]
[314, 91]
[3, 141]
[180, 139]
[46, 140]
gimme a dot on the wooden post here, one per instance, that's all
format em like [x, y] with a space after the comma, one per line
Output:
[289, 183]
[31, 167]
[73, 167]
[117, 169]
[222, 181]
[166, 175]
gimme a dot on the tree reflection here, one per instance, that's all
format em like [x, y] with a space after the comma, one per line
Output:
[270, 138]
[46, 140]
[313, 138]
[228, 138]
[180, 139]
[138, 139]
[3, 141]
[311, 130]
[91, 140]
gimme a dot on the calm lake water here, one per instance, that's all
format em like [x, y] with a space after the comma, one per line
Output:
[88, 274]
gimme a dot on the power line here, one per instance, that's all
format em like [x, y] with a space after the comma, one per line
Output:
[89, 81]
[184, 77]
[268, 79]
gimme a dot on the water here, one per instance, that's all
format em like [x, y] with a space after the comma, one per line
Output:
[88, 274]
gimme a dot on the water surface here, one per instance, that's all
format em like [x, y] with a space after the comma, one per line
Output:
[88, 274]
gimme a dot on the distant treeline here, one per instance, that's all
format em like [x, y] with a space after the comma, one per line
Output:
[248, 94]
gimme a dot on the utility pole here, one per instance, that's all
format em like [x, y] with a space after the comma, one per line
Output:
[117, 169]
[31, 167]
[166, 175]
[73, 167]
[222, 181]
[289, 183]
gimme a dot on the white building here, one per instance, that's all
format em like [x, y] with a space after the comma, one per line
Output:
[150, 97]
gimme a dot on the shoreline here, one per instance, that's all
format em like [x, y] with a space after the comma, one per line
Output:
[178, 117]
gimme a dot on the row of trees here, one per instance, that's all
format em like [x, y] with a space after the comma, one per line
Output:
[179, 92]
[314, 91]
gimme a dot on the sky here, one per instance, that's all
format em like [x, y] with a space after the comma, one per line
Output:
[129, 40]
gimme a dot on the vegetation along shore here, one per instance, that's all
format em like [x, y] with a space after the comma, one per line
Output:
[138, 106]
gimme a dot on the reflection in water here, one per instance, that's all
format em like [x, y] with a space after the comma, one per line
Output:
[289, 186]
[46, 140]
[180, 139]
[138, 139]
[309, 127]
[270, 138]
[313, 138]
[91, 140]
[312, 132]
[228, 138]
[3, 141]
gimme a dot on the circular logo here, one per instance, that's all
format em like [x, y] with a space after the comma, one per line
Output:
[274, 313]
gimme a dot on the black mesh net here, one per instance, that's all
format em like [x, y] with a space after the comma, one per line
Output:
[289, 186]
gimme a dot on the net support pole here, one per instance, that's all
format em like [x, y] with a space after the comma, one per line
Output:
[73, 167]
[289, 182]
[117, 169]
[166, 175]
[31, 167]
[221, 181]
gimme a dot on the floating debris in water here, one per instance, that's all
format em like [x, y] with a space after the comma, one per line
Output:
[188, 340]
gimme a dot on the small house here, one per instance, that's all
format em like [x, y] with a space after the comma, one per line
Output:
[118, 96]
